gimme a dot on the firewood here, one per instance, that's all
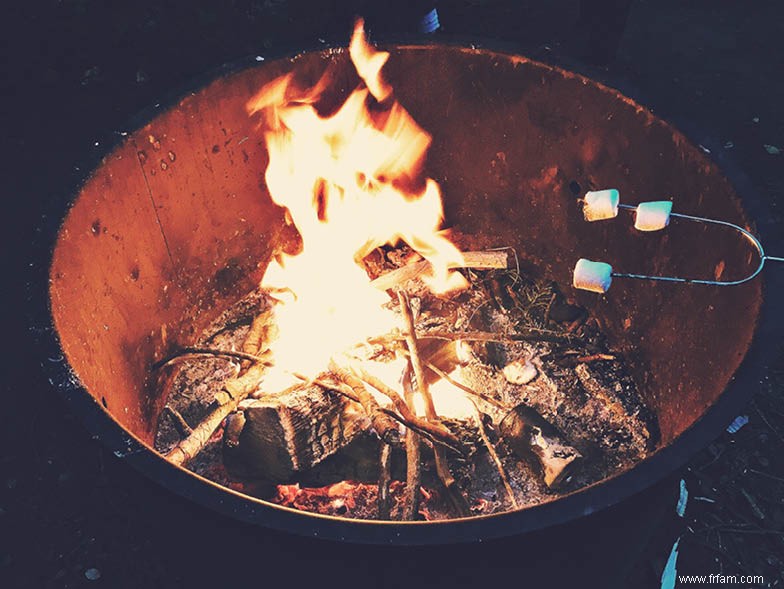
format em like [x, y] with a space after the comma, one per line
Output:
[384, 480]
[413, 457]
[534, 439]
[479, 260]
[457, 499]
[620, 407]
[179, 422]
[236, 390]
[494, 455]
[437, 429]
[290, 432]
[386, 429]
[261, 331]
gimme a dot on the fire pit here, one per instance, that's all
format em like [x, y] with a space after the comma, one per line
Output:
[177, 225]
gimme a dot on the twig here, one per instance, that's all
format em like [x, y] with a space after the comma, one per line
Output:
[442, 468]
[436, 429]
[765, 419]
[258, 334]
[179, 422]
[546, 319]
[197, 351]
[237, 389]
[338, 389]
[465, 389]
[384, 426]
[413, 456]
[494, 455]
[764, 474]
[384, 479]
[594, 358]
[527, 335]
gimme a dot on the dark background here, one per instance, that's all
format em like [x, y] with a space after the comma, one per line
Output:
[76, 71]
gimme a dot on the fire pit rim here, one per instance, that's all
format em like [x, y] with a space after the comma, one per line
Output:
[598, 496]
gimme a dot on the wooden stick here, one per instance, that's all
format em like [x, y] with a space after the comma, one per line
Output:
[384, 479]
[179, 422]
[237, 390]
[594, 358]
[413, 457]
[348, 392]
[494, 455]
[479, 260]
[198, 351]
[524, 335]
[259, 334]
[442, 468]
[386, 429]
[437, 430]
[465, 389]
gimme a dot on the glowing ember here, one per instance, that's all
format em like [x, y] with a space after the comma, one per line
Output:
[350, 182]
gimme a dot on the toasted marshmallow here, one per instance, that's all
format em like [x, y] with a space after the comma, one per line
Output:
[652, 216]
[600, 204]
[593, 276]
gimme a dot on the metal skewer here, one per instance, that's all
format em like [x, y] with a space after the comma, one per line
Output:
[596, 276]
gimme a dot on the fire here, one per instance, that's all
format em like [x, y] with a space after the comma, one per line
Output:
[350, 182]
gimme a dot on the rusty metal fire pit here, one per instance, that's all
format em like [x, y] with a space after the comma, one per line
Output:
[176, 224]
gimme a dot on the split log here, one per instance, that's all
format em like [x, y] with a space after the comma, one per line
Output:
[487, 260]
[534, 439]
[291, 432]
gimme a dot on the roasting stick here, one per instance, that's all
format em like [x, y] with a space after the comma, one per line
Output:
[442, 468]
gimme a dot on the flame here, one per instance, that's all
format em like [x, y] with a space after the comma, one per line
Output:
[350, 182]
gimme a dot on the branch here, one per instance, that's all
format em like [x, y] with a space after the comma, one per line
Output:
[384, 426]
[413, 457]
[494, 455]
[237, 389]
[442, 468]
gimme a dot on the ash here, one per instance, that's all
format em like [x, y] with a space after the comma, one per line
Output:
[577, 384]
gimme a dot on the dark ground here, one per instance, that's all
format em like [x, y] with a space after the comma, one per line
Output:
[79, 69]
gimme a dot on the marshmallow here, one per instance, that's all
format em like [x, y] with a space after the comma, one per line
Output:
[593, 276]
[600, 204]
[652, 216]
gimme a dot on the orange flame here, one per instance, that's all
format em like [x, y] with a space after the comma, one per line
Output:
[350, 182]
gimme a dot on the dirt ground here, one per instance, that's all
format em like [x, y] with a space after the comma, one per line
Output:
[73, 515]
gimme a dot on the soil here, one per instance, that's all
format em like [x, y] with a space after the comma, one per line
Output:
[71, 512]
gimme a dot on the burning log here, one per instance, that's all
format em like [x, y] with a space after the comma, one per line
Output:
[487, 260]
[291, 432]
[536, 440]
